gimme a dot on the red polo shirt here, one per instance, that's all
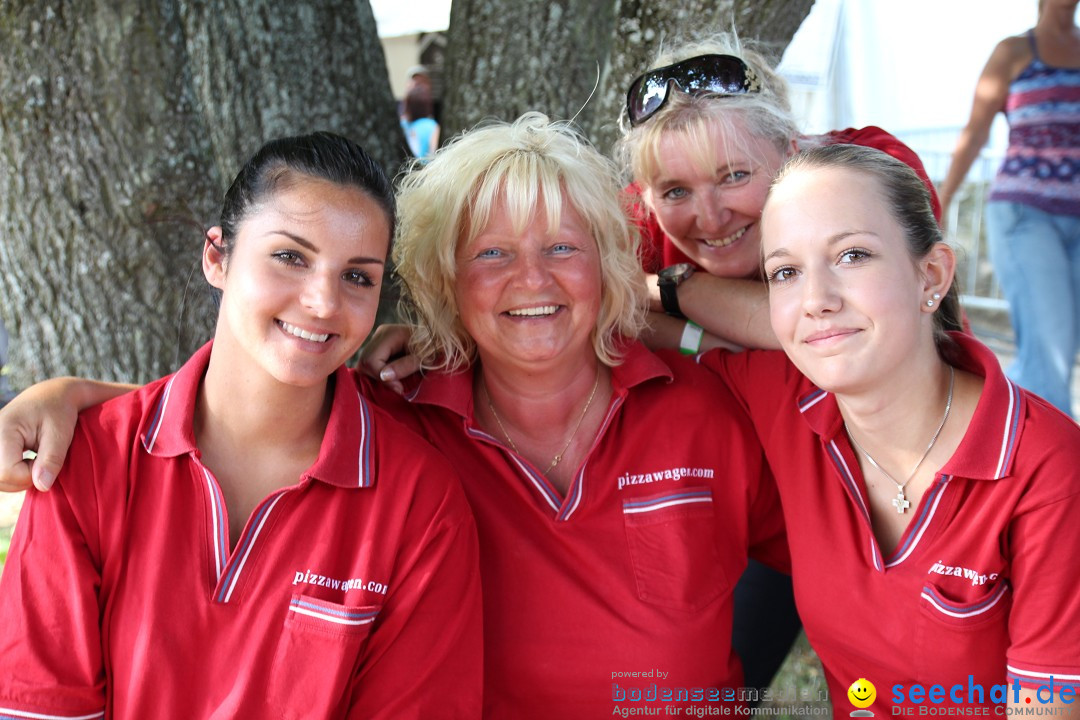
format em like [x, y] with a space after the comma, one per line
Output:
[623, 586]
[982, 582]
[352, 594]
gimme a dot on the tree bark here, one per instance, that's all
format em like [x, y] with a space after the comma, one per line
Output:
[547, 56]
[505, 57]
[121, 123]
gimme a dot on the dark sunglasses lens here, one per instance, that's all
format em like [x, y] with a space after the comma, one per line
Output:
[712, 73]
[646, 96]
[721, 74]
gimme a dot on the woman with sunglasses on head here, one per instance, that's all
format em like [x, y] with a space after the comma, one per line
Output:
[705, 133]
[608, 545]
[250, 537]
[930, 503]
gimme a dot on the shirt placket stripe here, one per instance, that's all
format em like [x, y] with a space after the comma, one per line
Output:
[243, 550]
[853, 490]
[1012, 423]
[577, 489]
[546, 492]
[217, 514]
[364, 469]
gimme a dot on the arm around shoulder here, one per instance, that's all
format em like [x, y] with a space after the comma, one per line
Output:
[735, 310]
[665, 332]
[42, 419]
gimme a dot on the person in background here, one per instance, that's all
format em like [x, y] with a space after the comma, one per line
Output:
[1033, 212]
[418, 76]
[418, 123]
[930, 503]
[705, 132]
[250, 537]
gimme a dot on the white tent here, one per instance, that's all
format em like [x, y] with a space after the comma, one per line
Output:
[909, 66]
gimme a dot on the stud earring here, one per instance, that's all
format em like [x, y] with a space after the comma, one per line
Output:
[930, 303]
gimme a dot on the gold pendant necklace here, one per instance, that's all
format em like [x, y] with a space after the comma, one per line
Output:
[559, 455]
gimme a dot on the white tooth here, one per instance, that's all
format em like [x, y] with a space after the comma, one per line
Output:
[535, 311]
[724, 242]
[303, 334]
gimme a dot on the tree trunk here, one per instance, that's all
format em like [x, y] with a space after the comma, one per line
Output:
[547, 56]
[505, 57]
[121, 123]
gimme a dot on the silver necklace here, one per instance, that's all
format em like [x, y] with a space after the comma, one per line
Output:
[558, 456]
[900, 502]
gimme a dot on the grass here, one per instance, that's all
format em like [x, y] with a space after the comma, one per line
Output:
[799, 689]
[5, 540]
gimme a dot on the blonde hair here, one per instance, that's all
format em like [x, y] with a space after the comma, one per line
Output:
[451, 199]
[765, 114]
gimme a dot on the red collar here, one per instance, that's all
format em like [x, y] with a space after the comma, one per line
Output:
[345, 456]
[989, 446]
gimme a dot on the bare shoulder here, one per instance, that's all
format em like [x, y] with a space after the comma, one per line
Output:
[1016, 46]
[1011, 56]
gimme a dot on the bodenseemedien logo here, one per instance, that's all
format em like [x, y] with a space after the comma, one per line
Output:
[861, 694]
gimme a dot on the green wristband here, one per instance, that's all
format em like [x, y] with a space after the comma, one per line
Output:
[690, 343]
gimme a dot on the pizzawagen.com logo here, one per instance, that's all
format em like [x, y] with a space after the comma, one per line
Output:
[964, 700]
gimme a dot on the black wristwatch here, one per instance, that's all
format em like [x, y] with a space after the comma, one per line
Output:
[669, 280]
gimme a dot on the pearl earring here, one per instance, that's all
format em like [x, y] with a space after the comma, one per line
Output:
[930, 303]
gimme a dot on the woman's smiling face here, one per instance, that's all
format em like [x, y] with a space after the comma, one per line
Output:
[711, 210]
[300, 288]
[532, 294]
[846, 297]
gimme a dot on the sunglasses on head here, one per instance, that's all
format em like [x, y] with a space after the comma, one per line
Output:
[716, 74]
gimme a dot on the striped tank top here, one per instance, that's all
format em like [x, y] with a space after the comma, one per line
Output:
[1042, 163]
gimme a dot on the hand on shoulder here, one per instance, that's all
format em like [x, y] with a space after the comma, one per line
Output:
[40, 420]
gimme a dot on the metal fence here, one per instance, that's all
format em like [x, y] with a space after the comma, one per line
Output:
[964, 221]
[986, 309]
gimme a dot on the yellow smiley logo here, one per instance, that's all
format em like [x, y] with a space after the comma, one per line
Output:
[862, 693]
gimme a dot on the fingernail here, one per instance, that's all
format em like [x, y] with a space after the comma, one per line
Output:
[43, 479]
[387, 374]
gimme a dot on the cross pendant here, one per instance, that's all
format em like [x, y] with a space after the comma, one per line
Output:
[900, 502]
